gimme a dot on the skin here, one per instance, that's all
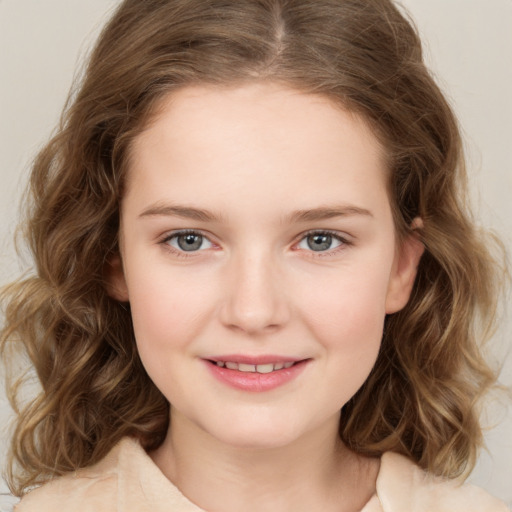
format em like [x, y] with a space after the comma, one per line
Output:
[270, 165]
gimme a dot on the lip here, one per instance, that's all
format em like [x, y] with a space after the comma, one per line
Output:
[255, 382]
[247, 359]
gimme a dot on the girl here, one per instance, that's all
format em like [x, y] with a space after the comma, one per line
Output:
[256, 282]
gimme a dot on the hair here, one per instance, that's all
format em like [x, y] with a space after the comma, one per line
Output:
[421, 398]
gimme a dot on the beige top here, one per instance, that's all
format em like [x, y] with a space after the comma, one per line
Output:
[127, 480]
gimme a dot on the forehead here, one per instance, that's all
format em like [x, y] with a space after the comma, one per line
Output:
[209, 107]
[239, 140]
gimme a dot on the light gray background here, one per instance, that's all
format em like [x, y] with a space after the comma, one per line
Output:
[468, 44]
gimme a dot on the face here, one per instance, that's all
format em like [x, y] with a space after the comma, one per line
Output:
[259, 258]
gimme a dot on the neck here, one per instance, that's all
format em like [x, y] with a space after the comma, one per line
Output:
[315, 472]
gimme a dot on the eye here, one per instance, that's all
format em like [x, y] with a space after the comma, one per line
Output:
[188, 241]
[321, 241]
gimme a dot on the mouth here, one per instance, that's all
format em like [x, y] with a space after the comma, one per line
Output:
[254, 368]
[256, 374]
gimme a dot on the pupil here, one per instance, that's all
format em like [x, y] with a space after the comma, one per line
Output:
[319, 242]
[190, 242]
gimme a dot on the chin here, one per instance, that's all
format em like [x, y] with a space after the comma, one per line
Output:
[258, 435]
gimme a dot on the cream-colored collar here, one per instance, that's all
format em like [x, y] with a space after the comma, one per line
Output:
[127, 480]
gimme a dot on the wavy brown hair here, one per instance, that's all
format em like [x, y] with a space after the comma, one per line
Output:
[422, 395]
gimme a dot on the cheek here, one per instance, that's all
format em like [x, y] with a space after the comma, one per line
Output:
[347, 320]
[168, 314]
[348, 301]
[167, 309]
[349, 327]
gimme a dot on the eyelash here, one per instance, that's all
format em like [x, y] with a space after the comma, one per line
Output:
[344, 243]
[175, 234]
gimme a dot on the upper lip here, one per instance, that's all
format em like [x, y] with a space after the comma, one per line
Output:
[255, 360]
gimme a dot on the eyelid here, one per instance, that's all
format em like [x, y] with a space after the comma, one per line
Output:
[177, 232]
[164, 239]
[343, 238]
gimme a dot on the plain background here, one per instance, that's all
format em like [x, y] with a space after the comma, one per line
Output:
[468, 44]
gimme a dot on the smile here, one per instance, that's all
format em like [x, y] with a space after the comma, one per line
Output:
[254, 368]
[255, 374]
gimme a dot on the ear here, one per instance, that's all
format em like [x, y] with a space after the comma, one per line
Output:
[404, 269]
[115, 279]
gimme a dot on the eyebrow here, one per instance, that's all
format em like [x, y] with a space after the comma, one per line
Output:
[328, 212]
[306, 215]
[186, 212]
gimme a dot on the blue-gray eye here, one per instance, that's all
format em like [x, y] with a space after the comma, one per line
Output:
[189, 242]
[319, 242]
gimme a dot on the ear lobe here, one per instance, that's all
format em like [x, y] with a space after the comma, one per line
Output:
[404, 270]
[115, 280]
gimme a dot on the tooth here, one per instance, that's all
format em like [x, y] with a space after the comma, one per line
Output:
[265, 368]
[220, 363]
[278, 366]
[232, 366]
[288, 365]
[246, 367]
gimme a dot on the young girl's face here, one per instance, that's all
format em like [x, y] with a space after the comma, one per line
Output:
[256, 233]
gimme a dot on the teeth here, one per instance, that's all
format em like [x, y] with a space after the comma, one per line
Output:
[246, 368]
[265, 368]
[254, 368]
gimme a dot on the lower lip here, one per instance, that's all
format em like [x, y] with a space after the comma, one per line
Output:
[253, 381]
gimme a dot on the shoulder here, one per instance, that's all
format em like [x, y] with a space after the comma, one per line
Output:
[126, 480]
[89, 489]
[404, 487]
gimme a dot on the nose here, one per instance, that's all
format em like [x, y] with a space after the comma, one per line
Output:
[255, 296]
